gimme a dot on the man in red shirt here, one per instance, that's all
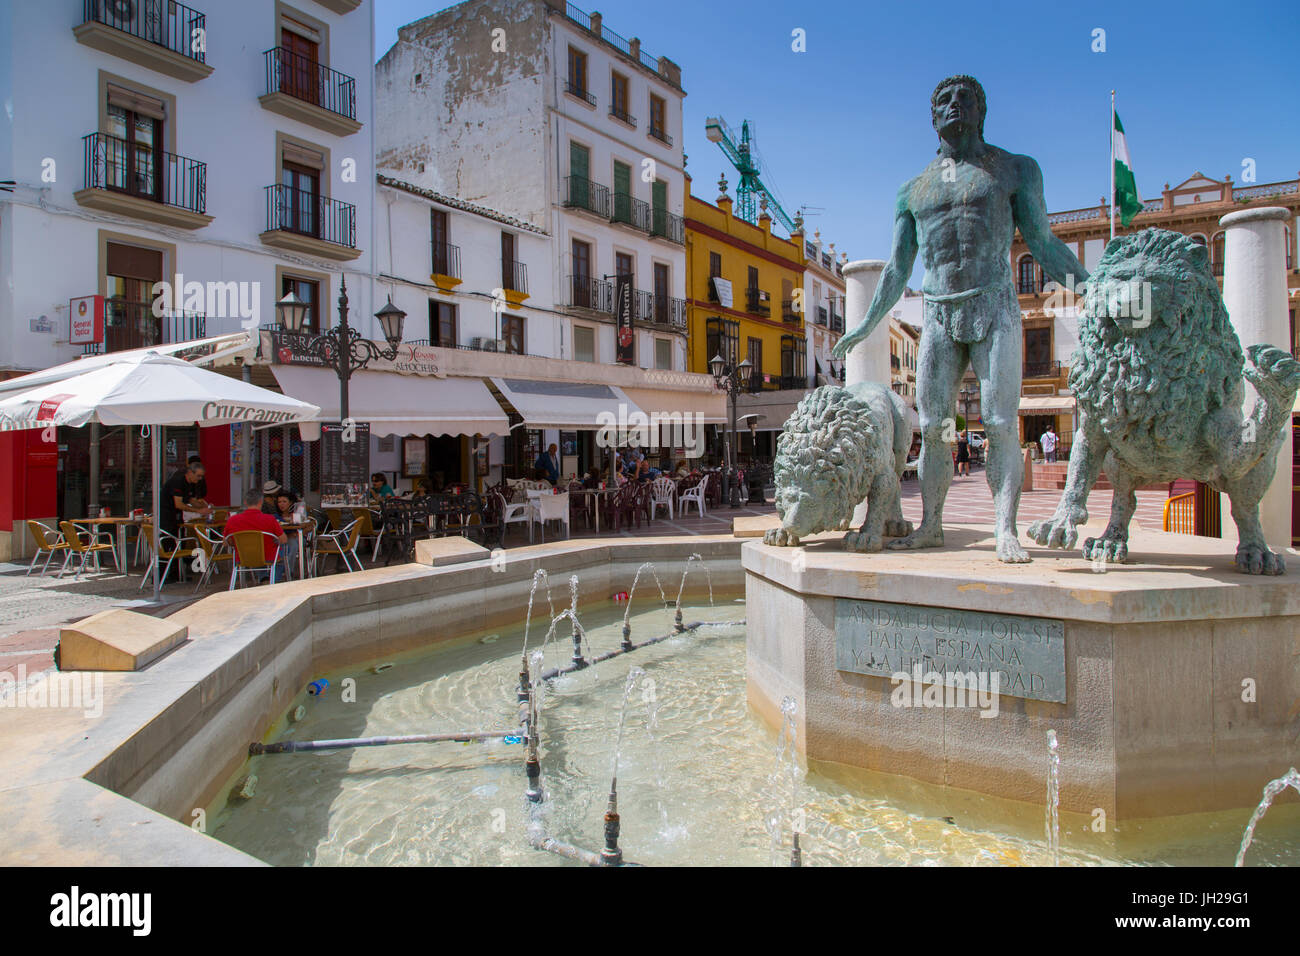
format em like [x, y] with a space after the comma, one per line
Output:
[252, 518]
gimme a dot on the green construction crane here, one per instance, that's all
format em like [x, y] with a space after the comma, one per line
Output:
[743, 154]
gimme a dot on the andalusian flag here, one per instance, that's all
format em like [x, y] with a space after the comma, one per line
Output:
[1126, 197]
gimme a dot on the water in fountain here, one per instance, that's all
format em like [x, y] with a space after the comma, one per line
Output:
[579, 632]
[682, 586]
[786, 772]
[627, 614]
[1053, 822]
[1271, 790]
[634, 674]
[538, 575]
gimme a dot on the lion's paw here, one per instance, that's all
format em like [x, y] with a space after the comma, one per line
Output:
[1055, 532]
[1258, 559]
[1010, 551]
[1107, 549]
[897, 528]
[862, 541]
[780, 538]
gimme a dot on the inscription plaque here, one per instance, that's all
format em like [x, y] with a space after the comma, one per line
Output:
[1028, 653]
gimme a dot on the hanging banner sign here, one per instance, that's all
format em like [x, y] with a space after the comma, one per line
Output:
[623, 311]
[86, 317]
[290, 348]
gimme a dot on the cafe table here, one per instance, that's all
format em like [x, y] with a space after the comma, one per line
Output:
[119, 524]
[595, 494]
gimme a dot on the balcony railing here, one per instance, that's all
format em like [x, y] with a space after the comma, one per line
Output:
[621, 114]
[756, 302]
[307, 214]
[303, 78]
[514, 276]
[667, 226]
[661, 135]
[163, 23]
[586, 292]
[634, 212]
[159, 176]
[895, 363]
[788, 313]
[133, 325]
[446, 260]
[837, 323]
[1042, 369]
[574, 89]
[582, 193]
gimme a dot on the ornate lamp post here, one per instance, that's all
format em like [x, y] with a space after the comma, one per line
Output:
[733, 380]
[341, 348]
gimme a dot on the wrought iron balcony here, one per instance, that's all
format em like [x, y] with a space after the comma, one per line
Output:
[634, 212]
[514, 276]
[446, 260]
[788, 313]
[1042, 370]
[621, 114]
[304, 79]
[156, 175]
[667, 226]
[661, 135]
[837, 323]
[163, 23]
[574, 90]
[581, 193]
[586, 292]
[823, 317]
[133, 325]
[756, 301]
[308, 214]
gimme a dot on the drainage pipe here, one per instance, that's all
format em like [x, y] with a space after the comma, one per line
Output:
[299, 746]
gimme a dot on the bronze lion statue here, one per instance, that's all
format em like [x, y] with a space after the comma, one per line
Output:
[1158, 376]
[840, 447]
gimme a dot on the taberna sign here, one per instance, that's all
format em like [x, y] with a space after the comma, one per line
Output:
[626, 350]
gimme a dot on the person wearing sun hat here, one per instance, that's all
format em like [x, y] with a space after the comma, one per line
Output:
[270, 491]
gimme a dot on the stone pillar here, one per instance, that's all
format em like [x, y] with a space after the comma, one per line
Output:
[869, 360]
[1254, 291]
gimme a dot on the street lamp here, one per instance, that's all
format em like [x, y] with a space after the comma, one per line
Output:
[836, 366]
[733, 381]
[341, 348]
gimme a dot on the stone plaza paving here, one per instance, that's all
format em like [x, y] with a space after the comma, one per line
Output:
[32, 608]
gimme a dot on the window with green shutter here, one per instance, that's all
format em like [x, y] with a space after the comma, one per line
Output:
[622, 192]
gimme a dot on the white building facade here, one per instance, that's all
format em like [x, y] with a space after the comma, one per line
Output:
[228, 143]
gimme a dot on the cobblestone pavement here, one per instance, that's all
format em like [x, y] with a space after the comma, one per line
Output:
[32, 608]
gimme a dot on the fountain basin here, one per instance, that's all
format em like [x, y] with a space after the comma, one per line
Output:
[1149, 710]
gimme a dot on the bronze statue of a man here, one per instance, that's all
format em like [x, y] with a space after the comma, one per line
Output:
[961, 213]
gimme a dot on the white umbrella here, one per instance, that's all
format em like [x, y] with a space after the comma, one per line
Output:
[155, 390]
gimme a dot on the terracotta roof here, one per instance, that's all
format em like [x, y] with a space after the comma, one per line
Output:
[453, 203]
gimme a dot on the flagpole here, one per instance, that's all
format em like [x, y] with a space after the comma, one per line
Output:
[1112, 164]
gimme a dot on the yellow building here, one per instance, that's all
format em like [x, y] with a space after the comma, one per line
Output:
[744, 295]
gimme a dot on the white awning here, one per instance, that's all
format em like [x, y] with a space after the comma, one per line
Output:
[571, 405]
[1043, 404]
[711, 405]
[222, 345]
[399, 404]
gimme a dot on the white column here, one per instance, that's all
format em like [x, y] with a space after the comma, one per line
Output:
[1254, 292]
[869, 360]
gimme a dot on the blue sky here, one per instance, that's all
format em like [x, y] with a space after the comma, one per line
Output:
[1200, 86]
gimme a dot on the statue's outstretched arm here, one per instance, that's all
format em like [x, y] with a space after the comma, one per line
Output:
[894, 278]
[1030, 212]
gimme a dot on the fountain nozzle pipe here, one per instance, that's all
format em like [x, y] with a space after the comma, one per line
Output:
[533, 767]
[627, 636]
[611, 855]
[796, 854]
[677, 620]
[525, 681]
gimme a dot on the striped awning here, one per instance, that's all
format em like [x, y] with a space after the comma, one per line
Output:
[1046, 404]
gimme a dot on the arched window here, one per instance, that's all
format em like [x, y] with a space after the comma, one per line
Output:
[1216, 253]
[1199, 239]
[1025, 275]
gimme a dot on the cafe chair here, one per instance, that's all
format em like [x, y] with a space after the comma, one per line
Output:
[368, 532]
[250, 556]
[215, 552]
[85, 545]
[551, 508]
[341, 544]
[516, 512]
[48, 542]
[692, 496]
[662, 493]
[170, 548]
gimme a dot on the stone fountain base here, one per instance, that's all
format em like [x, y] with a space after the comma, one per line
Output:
[1173, 682]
